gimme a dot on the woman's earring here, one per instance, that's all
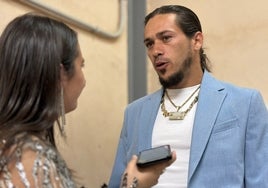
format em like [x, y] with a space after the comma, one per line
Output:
[62, 113]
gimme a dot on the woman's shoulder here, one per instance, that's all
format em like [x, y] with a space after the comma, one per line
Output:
[26, 145]
[31, 160]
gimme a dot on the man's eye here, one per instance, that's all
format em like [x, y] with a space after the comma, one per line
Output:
[166, 38]
[148, 44]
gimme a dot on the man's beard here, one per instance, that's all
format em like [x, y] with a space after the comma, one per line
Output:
[178, 76]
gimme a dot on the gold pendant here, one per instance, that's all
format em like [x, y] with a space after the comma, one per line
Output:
[177, 115]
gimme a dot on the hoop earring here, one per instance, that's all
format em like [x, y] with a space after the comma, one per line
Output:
[62, 113]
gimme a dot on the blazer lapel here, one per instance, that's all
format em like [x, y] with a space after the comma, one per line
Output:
[148, 114]
[210, 100]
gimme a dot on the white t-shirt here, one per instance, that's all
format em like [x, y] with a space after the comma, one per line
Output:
[178, 134]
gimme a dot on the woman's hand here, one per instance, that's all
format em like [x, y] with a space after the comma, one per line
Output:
[144, 177]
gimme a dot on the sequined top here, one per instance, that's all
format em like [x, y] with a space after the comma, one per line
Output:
[30, 162]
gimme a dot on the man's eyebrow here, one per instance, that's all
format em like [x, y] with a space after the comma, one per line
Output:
[163, 32]
[158, 35]
[147, 40]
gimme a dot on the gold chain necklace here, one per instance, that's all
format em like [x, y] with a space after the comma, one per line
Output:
[177, 115]
[179, 107]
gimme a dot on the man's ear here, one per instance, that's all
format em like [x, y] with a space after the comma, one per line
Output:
[198, 40]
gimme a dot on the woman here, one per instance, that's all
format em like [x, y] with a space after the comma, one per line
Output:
[41, 79]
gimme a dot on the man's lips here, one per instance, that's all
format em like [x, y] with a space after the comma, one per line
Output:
[161, 64]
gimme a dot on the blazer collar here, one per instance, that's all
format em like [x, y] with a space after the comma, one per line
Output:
[211, 97]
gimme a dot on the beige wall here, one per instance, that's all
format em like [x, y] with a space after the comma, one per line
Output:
[93, 129]
[236, 42]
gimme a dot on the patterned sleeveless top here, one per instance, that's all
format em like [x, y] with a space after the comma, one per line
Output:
[47, 168]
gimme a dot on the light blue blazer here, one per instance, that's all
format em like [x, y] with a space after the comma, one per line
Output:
[229, 146]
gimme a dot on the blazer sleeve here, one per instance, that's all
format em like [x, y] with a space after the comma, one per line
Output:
[256, 146]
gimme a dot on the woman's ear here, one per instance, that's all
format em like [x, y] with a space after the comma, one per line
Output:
[63, 75]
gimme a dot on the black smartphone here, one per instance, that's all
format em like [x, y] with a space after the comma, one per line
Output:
[154, 156]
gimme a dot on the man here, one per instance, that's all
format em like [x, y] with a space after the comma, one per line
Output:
[219, 131]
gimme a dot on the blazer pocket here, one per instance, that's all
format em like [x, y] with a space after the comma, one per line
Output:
[224, 126]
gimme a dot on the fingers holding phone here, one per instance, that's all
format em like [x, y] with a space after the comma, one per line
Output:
[145, 170]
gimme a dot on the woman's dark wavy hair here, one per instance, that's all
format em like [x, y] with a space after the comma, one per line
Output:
[32, 48]
[187, 21]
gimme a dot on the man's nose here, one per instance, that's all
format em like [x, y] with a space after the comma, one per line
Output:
[158, 49]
